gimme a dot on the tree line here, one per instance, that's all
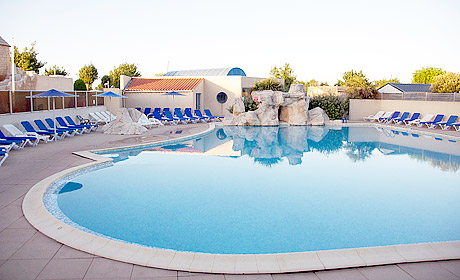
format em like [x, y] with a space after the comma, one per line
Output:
[27, 60]
[361, 87]
[357, 82]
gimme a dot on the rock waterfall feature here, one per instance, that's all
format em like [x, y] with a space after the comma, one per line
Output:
[125, 123]
[275, 108]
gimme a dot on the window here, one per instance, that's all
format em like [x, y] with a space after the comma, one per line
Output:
[198, 100]
[222, 97]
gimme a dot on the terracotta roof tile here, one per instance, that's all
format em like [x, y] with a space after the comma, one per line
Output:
[139, 84]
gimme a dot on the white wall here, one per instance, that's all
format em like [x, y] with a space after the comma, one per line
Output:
[54, 82]
[231, 85]
[16, 118]
[360, 108]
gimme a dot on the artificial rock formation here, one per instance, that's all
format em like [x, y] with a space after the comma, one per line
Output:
[24, 80]
[275, 107]
[317, 116]
[125, 123]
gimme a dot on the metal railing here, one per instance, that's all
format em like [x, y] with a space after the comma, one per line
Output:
[420, 96]
[20, 101]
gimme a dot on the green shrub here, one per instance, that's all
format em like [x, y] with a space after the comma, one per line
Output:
[249, 104]
[449, 82]
[79, 85]
[267, 84]
[335, 107]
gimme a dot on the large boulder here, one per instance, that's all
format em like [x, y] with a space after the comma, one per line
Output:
[317, 116]
[125, 123]
[267, 114]
[294, 113]
[296, 91]
[247, 118]
[238, 107]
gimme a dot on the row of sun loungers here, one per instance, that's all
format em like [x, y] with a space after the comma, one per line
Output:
[102, 117]
[173, 118]
[430, 121]
[44, 131]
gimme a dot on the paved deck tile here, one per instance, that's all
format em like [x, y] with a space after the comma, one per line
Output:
[147, 272]
[65, 268]
[295, 276]
[343, 274]
[18, 239]
[22, 269]
[249, 277]
[105, 268]
[385, 272]
[452, 266]
[66, 252]
[429, 271]
[38, 247]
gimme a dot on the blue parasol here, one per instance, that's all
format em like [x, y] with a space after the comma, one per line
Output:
[174, 93]
[110, 95]
[52, 93]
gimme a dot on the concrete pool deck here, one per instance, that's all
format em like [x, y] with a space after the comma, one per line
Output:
[27, 254]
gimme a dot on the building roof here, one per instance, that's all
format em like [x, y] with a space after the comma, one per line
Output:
[209, 72]
[141, 84]
[410, 87]
[3, 42]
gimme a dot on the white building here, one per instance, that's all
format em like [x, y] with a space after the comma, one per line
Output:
[213, 89]
[404, 88]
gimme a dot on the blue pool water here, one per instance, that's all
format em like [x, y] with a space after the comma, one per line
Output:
[274, 190]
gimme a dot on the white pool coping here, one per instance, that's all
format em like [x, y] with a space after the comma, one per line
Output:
[37, 215]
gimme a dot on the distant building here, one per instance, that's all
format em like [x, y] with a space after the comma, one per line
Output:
[404, 88]
[213, 89]
[4, 59]
[326, 90]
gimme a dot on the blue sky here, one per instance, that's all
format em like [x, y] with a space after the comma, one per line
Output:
[320, 39]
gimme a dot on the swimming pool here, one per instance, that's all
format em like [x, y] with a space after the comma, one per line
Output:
[272, 190]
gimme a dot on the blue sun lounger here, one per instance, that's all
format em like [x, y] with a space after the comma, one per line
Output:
[157, 115]
[89, 126]
[23, 140]
[207, 112]
[11, 144]
[431, 124]
[447, 124]
[414, 117]
[188, 113]
[29, 128]
[199, 114]
[388, 119]
[181, 117]
[71, 131]
[171, 119]
[456, 126]
[401, 119]
[147, 111]
[43, 127]
[3, 154]
[63, 124]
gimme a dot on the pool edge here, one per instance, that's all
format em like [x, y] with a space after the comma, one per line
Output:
[37, 215]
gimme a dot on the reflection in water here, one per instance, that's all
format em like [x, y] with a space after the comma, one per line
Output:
[70, 187]
[270, 145]
[359, 151]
